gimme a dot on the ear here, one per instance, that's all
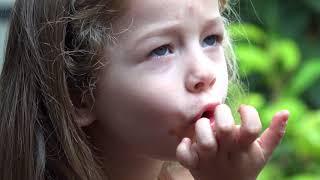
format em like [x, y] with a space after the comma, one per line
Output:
[85, 114]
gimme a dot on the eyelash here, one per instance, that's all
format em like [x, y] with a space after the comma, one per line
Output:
[168, 50]
[217, 40]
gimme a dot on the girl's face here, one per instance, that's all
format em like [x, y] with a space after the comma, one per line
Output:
[166, 66]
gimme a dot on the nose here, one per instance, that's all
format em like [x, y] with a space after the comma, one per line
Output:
[201, 76]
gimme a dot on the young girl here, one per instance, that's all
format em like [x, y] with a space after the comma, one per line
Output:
[109, 89]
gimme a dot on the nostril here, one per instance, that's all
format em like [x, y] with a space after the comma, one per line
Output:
[199, 86]
[204, 85]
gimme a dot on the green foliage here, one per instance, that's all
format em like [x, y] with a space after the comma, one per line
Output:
[296, 108]
[307, 136]
[282, 74]
[305, 177]
[272, 171]
[286, 52]
[253, 58]
[315, 4]
[247, 31]
[305, 77]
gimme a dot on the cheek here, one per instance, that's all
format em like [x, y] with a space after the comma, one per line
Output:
[144, 110]
[221, 69]
[220, 89]
[225, 81]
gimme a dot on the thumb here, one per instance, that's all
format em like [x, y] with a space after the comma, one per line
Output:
[272, 136]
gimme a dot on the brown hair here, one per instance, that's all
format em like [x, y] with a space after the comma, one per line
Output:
[51, 62]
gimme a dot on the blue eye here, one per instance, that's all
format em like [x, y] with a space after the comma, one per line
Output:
[210, 41]
[161, 51]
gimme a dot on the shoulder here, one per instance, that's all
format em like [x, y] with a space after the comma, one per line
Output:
[174, 171]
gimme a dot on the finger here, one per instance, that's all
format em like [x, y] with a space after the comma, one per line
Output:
[272, 136]
[187, 155]
[250, 126]
[225, 127]
[205, 144]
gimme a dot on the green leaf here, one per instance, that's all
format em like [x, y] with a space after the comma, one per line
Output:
[248, 32]
[270, 171]
[252, 59]
[306, 76]
[305, 177]
[296, 108]
[254, 99]
[286, 53]
[307, 136]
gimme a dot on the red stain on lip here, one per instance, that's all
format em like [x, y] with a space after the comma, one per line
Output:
[207, 112]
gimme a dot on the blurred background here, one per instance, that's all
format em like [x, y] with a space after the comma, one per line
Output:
[5, 7]
[277, 43]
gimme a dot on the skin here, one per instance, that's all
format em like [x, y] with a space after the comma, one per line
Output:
[161, 71]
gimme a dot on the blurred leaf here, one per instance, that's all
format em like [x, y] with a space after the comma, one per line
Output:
[306, 76]
[270, 171]
[296, 108]
[252, 59]
[291, 83]
[305, 177]
[311, 95]
[248, 32]
[254, 99]
[307, 136]
[286, 52]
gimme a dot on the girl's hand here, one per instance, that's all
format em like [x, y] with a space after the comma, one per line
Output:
[229, 151]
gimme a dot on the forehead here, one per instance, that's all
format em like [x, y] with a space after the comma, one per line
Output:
[136, 6]
[154, 10]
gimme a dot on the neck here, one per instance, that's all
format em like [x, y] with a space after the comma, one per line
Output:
[130, 167]
[120, 162]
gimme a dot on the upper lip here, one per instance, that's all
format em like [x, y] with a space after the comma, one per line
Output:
[210, 108]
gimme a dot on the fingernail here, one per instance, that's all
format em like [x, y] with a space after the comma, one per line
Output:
[185, 140]
[287, 113]
[241, 106]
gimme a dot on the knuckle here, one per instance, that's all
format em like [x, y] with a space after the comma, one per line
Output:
[207, 145]
[255, 129]
[222, 107]
[225, 128]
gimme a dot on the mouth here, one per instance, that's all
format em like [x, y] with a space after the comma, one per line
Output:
[206, 112]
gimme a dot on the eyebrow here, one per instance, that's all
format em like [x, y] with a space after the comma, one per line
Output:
[170, 27]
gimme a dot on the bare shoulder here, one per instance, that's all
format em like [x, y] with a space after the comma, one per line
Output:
[174, 171]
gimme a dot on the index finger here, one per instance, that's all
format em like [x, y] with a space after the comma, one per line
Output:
[272, 136]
